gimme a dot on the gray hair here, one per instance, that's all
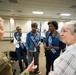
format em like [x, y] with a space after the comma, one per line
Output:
[18, 27]
[71, 26]
[1, 20]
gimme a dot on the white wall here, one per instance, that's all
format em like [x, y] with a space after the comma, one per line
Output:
[10, 25]
[6, 27]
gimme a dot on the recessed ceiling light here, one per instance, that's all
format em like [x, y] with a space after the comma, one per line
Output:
[37, 12]
[65, 14]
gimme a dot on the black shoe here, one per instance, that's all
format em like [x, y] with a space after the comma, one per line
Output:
[38, 72]
[21, 71]
[31, 73]
[14, 72]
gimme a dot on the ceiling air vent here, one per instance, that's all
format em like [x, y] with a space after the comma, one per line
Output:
[20, 11]
[5, 10]
[73, 6]
[13, 1]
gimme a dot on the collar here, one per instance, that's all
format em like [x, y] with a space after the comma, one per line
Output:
[71, 47]
[32, 33]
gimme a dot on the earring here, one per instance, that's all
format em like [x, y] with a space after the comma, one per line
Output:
[74, 39]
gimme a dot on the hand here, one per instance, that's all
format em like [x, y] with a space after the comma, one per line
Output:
[28, 53]
[49, 47]
[37, 45]
[50, 72]
[45, 46]
[31, 67]
[19, 39]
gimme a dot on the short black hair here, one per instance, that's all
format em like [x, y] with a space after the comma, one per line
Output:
[34, 25]
[54, 23]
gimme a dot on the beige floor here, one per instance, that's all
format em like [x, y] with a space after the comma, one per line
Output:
[7, 46]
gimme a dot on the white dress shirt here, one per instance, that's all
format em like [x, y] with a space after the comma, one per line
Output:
[23, 40]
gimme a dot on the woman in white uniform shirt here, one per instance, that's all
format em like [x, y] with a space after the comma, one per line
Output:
[66, 63]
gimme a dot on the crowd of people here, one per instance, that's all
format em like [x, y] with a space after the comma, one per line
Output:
[28, 46]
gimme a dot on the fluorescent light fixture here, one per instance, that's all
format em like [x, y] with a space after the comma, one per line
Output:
[37, 12]
[65, 14]
[12, 21]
